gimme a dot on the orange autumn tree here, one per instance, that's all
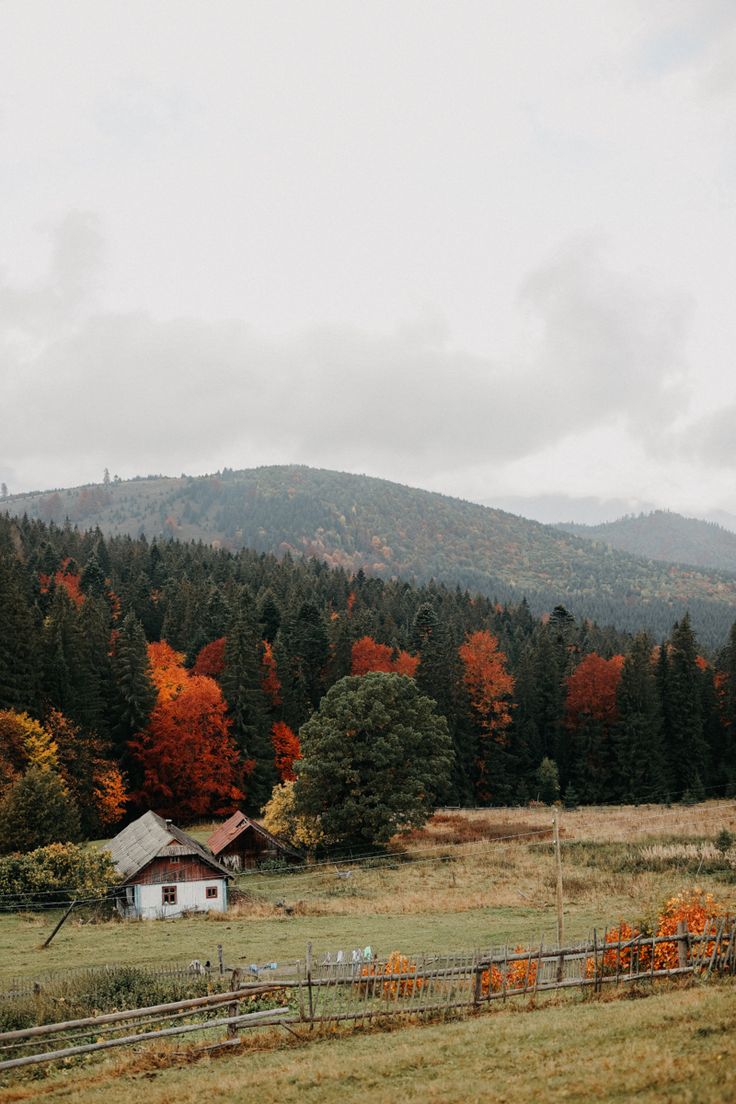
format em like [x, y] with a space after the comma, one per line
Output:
[591, 690]
[488, 683]
[93, 779]
[187, 757]
[368, 655]
[286, 751]
[489, 687]
[70, 580]
[591, 711]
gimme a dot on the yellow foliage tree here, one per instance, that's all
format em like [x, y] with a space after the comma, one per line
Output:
[280, 818]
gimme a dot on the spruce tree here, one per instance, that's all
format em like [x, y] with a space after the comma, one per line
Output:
[37, 809]
[687, 747]
[247, 707]
[134, 694]
[19, 640]
[640, 768]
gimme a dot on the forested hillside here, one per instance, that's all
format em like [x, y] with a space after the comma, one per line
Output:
[392, 531]
[662, 535]
[172, 675]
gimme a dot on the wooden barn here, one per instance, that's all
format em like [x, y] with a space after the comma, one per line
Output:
[241, 843]
[165, 872]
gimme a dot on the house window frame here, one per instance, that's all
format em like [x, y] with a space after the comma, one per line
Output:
[211, 892]
[168, 895]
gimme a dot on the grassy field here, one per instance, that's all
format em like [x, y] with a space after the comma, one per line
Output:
[675, 1045]
[459, 884]
[449, 891]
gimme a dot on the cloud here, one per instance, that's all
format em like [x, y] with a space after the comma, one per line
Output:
[140, 394]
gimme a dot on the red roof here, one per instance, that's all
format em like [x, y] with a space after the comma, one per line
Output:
[235, 826]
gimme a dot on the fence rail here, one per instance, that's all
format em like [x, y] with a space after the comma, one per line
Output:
[321, 992]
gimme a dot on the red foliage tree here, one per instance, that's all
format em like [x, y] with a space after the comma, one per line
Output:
[270, 681]
[591, 690]
[368, 655]
[488, 683]
[187, 757]
[286, 750]
[69, 580]
[210, 660]
[405, 664]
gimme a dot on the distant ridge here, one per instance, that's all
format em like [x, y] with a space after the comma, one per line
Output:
[668, 537]
[387, 529]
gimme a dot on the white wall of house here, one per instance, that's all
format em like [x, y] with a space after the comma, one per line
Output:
[149, 899]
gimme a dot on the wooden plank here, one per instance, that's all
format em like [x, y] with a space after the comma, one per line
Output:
[128, 1040]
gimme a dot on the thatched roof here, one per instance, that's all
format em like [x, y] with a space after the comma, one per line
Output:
[151, 837]
[239, 823]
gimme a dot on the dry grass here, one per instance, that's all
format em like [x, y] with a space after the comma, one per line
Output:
[456, 828]
[619, 822]
[677, 1045]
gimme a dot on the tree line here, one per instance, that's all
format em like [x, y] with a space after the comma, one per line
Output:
[177, 676]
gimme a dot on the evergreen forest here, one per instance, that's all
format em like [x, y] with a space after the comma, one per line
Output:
[172, 675]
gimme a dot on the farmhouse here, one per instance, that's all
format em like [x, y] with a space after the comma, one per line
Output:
[165, 872]
[240, 843]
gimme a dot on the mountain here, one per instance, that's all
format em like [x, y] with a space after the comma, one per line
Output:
[395, 531]
[669, 537]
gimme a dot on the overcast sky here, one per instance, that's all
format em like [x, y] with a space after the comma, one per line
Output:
[486, 248]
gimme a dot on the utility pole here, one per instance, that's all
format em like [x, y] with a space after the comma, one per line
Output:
[558, 895]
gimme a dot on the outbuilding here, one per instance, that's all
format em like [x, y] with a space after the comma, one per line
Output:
[240, 843]
[165, 872]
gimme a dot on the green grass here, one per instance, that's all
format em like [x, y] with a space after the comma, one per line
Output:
[258, 940]
[675, 1045]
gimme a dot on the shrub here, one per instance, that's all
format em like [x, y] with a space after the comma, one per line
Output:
[58, 873]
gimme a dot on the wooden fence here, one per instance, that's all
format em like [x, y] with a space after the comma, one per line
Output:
[319, 991]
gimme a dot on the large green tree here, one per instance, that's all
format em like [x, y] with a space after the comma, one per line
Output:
[36, 810]
[376, 756]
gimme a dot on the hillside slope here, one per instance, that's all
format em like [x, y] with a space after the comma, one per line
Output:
[669, 537]
[391, 530]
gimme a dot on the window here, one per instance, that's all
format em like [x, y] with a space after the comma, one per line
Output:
[173, 859]
[210, 892]
[168, 895]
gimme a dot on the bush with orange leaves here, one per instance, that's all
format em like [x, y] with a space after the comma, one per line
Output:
[692, 907]
[620, 959]
[393, 987]
[695, 908]
[521, 974]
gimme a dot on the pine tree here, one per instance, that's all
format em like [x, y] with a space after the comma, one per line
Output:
[725, 764]
[134, 694]
[19, 640]
[641, 770]
[687, 747]
[247, 706]
[37, 810]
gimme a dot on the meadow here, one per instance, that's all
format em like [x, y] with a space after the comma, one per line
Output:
[459, 884]
[468, 880]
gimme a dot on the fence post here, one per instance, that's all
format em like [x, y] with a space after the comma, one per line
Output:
[478, 982]
[232, 1029]
[309, 985]
[558, 896]
[220, 959]
[682, 942]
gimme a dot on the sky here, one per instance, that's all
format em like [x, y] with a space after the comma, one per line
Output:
[484, 247]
